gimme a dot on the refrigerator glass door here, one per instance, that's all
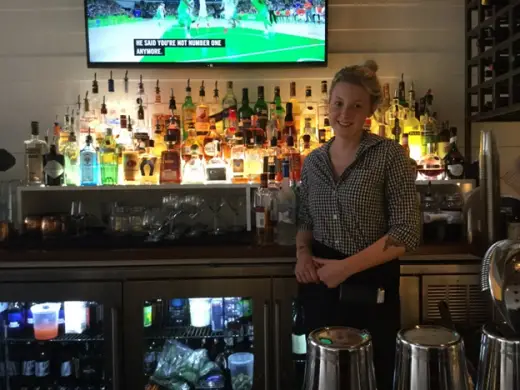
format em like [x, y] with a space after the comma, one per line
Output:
[59, 336]
[200, 334]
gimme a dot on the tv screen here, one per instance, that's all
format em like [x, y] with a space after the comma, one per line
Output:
[205, 32]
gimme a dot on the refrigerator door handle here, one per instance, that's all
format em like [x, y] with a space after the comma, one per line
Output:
[266, 345]
[115, 348]
[277, 342]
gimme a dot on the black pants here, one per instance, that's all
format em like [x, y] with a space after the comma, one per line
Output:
[359, 309]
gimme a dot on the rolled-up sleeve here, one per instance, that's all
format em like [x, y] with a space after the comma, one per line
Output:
[304, 216]
[404, 220]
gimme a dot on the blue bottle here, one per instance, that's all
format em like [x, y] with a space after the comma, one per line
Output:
[89, 164]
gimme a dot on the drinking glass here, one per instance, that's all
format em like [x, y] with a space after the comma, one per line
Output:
[215, 204]
[77, 218]
[173, 206]
[194, 205]
[236, 205]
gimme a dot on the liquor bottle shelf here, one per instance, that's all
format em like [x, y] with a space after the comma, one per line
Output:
[503, 45]
[189, 332]
[162, 187]
[489, 21]
[66, 338]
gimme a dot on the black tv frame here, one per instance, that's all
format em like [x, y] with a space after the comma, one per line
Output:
[177, 65]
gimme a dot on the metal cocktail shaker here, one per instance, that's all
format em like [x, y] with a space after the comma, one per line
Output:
[430, 358]
[339, 358]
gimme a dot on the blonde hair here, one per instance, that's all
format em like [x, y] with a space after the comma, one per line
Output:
[363, 75]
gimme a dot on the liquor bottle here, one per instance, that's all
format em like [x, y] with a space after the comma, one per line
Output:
[238, 158]
[310, 111]
[289, 124]
[264, 205]
[71, 154]
[202, 114]
[148, 166]
[171, 170]
[323, 106]
[130, 165]
[108, 160]
[188, 110]
[260, 109]
[412, 127]
[245, 112]
[454, 161]
[158, 98]
[287, 203]
[380, 113]
[89, 167]
[308, 139]
[299, 342]
[254, 165]
[443, 144]
[216, 168]
[192, 148]
[92, 109]
[64, 131]
[402, 92]
[396, 130]
[293, 156]
[158, 138]
[279, 110]
[274, 155]
[229, 102]
[53, 166]
[209, 144]
[215, 108]
[35, 149]
[428, 134]
[296, 106]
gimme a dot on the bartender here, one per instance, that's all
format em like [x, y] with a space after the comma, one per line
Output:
[358, 214]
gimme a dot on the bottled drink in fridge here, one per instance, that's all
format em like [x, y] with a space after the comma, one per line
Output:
[42, 367]
[147, 313]
[217, 314]
[177, 312]
[15, 319]
[299, 343]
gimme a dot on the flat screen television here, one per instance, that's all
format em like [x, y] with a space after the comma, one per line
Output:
[205, 32]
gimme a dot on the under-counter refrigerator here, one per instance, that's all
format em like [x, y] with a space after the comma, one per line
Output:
[62, 336]
[198, 334]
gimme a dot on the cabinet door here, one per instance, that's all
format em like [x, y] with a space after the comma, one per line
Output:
[288, 371]
[168, 320]
[59, 335]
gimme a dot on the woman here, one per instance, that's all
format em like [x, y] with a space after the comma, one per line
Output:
[358, 214]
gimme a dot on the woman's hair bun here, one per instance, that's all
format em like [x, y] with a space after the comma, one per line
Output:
[372, 65]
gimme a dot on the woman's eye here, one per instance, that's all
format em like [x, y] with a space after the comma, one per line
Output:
[337, 104]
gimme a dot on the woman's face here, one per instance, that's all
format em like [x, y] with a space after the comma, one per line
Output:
[349, 107]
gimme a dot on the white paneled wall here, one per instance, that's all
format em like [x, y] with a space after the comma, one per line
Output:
[43, 63]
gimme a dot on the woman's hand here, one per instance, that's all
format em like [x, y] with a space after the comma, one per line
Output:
[305, 268]
[332, 272]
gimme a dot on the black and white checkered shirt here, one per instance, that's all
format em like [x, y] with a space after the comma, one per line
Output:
[376, 195]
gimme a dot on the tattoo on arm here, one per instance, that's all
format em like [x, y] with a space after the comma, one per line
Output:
[392, 242]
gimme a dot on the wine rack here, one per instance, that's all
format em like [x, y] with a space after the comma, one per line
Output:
[492, 60]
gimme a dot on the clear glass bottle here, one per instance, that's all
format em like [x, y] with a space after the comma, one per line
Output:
[229, 102]
[292, 154]
[35, 149]
[296, 106]
[109, 160]
[188, 110]
[308, 139]
[254, 165]
[89, 166]
[287, 205]
[216, 168]
[171, 169]
[264, 208]
[148, 166]
[53, 166]
[323, 105]
[238, 158]
[191, 147]
[130, 165]
[202, 114]
[310, 111]
[71, 154]
[209, 142]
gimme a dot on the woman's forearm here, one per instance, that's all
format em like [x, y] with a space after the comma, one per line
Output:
[380, 252]
[303, 241]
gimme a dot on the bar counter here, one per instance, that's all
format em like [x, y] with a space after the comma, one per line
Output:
[229, 254]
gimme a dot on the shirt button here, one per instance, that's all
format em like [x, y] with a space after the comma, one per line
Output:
[335, 216]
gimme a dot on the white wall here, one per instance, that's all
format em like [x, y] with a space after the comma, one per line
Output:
[43, 64]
